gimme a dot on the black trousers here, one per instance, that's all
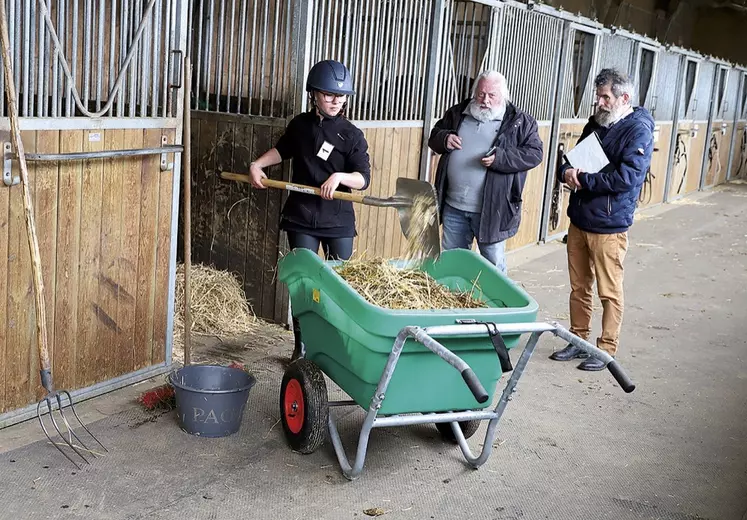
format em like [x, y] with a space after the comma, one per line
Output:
[334, 248]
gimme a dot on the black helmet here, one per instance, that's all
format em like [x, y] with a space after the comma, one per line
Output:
[330, 76]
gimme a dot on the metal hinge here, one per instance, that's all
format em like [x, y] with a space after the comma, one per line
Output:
[8, 178]
[165, 164]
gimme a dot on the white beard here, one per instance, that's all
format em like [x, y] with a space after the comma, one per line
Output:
[606, 118]
[484, 114]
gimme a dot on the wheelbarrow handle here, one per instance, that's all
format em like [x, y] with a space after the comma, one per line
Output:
[289, 186]
[474, 385]
[620, 376]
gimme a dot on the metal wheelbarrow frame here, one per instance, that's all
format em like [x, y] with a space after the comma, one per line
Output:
[426, 336]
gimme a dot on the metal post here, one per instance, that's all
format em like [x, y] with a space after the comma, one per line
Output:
[434, 43]
[559, 87]
[709, 126]
[681, 72]
[303, 55]
[737, 111]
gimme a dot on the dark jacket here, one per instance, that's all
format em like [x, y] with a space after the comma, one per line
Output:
[607, 200]
[301, 141]
[519, 150]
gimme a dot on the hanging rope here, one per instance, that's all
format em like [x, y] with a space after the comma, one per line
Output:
[714, 155]
[742, 153]
[647, 190]
[44, 11]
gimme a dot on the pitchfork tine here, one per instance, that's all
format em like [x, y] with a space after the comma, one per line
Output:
[39, 415]
[72, 407]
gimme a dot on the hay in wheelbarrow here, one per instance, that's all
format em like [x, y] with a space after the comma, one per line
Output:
[219, 305]
[384, 284]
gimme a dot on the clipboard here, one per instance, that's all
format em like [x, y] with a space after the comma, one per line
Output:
[588, 155]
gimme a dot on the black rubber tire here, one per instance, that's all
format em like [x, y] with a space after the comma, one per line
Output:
[468, 429]
[313, 432]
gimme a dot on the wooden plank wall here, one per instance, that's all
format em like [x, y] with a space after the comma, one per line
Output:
[739, 153]
[533, 199]
[234, 226]
[394, 152]
[104, 229]
[655, 193]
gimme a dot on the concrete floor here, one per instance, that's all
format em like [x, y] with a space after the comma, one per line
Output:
[571, 444]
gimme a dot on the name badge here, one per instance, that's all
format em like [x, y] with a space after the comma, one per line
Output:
[325, 150]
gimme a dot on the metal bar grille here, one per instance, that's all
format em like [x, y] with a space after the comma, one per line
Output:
[91, 39]
[243, 51]
[526, 55]
[666, 86]
[383, 44]
[579, 76]
[703, 90]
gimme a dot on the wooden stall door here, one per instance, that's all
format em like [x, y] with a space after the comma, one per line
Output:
[104, 230]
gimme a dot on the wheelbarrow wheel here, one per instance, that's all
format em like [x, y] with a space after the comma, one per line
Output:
[468, 429]
[304, 407]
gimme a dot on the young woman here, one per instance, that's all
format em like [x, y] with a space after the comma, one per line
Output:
[328, 152]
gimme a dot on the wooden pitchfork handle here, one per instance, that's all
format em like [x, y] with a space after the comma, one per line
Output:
[271, 183]
[45, 369]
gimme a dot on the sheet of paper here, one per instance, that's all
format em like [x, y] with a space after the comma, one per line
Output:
[588, 155]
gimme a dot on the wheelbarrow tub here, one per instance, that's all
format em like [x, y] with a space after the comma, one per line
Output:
[351, 339]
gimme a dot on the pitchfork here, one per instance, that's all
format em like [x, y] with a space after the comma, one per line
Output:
[52, 397]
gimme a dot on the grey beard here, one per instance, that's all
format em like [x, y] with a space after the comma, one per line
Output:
[483, 114]
[607, 118]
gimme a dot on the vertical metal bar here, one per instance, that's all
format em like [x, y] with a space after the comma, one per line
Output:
[364, 90]
[123, 24]
[274, 60]
[434, 43]
[145, 67]
[55, 71]
[210, 19]
[265, 23]
[40, 69]
[230, 80]
[62, 29]
[559, 87]
[423, 36]
[15, 16]
[219, 55]
[349, 37]
[112, 47]
[287, 62]
[334, 37]
[136, 13]
[355, 36]
[400, 49]
[100, 52]
[254, 42]
[26, 58]
[167, 60]
[302, 54]
[375, 22]
[158, 36]
[200, 50]
[407, 59]
[241, 55]
[87, 52]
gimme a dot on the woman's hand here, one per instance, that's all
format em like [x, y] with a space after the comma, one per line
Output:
[330, 185]
[256, 173]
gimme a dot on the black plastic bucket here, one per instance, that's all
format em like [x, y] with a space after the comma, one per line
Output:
[210, 399]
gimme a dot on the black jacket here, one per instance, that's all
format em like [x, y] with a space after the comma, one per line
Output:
[607, 200]
[519, 150]
[301, 141]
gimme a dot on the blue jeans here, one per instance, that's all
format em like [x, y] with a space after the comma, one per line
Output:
[460, 228]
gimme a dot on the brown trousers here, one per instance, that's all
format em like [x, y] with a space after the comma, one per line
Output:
[600, 256]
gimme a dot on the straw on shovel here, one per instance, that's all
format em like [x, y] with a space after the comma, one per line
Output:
[45, 370]
[409, 193]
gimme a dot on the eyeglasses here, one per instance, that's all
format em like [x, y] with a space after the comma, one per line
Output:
[328, 97]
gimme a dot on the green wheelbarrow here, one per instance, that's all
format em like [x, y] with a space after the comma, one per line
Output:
[408, 366]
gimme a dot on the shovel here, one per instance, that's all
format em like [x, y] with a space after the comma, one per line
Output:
[414, 200]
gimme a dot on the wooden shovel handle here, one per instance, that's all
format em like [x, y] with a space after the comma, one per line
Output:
[36, 268]
[271, 183]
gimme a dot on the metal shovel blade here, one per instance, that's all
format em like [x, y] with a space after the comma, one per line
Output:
[419, 218]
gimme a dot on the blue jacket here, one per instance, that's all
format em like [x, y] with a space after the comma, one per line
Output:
[607, 199]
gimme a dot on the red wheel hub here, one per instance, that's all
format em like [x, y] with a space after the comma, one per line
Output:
[293, 406]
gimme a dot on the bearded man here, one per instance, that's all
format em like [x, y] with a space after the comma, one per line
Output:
[487, 146]
[601, 211]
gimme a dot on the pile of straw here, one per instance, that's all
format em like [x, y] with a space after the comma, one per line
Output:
[388, 286]
[219, 305]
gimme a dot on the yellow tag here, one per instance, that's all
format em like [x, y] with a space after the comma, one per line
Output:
[315, 295]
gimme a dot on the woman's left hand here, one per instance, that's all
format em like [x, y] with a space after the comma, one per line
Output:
[330, 186]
